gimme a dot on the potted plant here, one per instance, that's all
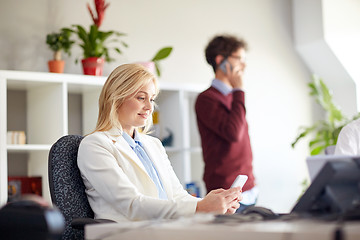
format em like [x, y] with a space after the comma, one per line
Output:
[153, 65]
[325, 132]
[94, 42]
[58, 42]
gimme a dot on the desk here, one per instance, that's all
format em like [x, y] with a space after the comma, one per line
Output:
[203, 228]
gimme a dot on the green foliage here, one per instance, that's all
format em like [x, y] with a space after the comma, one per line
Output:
[160, 55]
[59, 41]
[325, 132]
[94, 43]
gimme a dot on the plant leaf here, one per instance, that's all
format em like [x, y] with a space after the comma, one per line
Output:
[317, 150]
[326, 131]
[95, 43]
[162, 53]
[303, 134]
[157, 68]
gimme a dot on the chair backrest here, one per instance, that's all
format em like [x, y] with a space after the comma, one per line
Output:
[66, 185]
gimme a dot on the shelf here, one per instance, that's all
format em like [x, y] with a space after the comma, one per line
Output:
[26, 79]
[54, 105]
[177, 149]
[27, 147]
[194, 149]
[173, 149]
[23, 80]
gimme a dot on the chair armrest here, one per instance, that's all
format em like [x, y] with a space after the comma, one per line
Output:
[79, 223]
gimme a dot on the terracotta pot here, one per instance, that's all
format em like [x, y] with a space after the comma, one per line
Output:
[56, 66]
[93, 66]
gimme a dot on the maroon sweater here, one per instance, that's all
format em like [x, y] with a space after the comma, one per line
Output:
[224, 138]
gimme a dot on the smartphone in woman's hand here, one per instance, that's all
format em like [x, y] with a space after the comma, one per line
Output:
[240, 180]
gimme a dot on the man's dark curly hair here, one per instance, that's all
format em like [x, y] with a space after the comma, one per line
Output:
[223, 45]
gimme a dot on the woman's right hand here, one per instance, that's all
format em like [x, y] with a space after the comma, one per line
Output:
[220, 201]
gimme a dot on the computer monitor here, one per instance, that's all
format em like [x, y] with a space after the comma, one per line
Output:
[334, 192]
[317, 162]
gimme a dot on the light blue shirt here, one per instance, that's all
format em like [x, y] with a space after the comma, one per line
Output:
[136, 145]
[222, 87]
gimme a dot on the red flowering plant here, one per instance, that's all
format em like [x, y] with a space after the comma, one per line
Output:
[94, 42]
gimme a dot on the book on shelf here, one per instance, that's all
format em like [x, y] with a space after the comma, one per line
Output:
[21, 185]
[16, 137]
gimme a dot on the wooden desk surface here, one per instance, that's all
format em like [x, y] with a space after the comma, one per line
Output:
[203, 228]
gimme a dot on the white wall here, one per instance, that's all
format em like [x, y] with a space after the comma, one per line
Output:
[277, 95]
[327, 33]
[342, 33]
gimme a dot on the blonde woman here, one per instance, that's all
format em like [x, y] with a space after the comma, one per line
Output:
[127, 174]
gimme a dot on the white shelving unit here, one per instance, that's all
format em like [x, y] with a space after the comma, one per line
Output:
[48, 118]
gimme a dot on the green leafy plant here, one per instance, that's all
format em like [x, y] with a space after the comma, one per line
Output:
[325, 132]
[58, 42]
[160, 55]
[94, 42]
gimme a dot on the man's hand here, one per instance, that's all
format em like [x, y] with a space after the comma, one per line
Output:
[235, 75]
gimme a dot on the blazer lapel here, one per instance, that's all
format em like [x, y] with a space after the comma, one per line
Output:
[125, 148]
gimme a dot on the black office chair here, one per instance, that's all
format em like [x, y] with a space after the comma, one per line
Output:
[67, 189]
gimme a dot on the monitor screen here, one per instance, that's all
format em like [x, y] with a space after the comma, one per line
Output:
[316, 163]
[335, 191]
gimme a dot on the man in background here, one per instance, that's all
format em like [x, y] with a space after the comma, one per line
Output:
[223, 128]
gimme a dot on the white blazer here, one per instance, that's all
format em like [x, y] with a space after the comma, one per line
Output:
[118, 186]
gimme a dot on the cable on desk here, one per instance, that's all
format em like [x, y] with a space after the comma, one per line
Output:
[338, 234]
[352, 214]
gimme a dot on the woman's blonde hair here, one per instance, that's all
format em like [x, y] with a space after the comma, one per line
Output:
[123, 82]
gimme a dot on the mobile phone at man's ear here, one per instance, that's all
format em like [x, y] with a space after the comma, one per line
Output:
[223, 66]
